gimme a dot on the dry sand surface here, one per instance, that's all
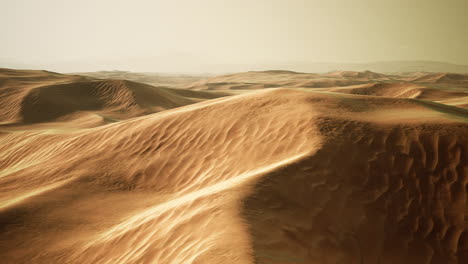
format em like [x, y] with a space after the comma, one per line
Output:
[35, 97]
[374, 170]
[446, 88]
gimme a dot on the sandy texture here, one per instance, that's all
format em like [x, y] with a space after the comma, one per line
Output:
[273, 176]
[32, 97]
[437, 87]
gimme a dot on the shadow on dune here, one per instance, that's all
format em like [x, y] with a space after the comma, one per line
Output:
[117, 98]
[272, 177]
[392, 194]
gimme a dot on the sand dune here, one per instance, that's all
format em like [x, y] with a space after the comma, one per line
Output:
[402, 90]
[271, 176]
[118, 98]
[440, 87]
[461, 102]
[37, 97]
[271, 79]
[445, 78]
[16, 84]
[155, 79]
[357, 74]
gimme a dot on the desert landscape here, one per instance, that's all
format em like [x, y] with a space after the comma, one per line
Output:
[233, 132]
[266, 167]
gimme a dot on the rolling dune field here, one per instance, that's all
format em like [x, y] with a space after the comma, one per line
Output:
[273, 167]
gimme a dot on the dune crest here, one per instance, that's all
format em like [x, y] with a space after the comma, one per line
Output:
[155, 156]
[32, 97]
[400, 90]
[452, 78]
[270, 176]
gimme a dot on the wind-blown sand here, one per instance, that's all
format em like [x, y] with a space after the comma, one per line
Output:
[270, 176]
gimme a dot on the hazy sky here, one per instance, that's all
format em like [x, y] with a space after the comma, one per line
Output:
[80, 35]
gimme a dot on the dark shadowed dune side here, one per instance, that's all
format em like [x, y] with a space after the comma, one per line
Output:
[16, 84]
[31, 97]
[371, 194]
[119, 98]
[194, 94]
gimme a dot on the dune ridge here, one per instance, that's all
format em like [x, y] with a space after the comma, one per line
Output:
[400, 90]
[398, 196]
[31, 97]
[270, 176]
[453, 78]
[105, 145]
[132, 99]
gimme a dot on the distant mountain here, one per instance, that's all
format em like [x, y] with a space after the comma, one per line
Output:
[195, 65]
[383, 67]
[415, 66]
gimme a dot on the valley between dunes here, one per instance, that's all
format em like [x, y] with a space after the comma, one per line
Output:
[270, 167]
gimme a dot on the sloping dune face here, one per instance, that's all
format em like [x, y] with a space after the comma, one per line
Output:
[275, 176]
[354, 74]
[452, 78]
[371, 194]
[446, 88]
[400, 90]
[31, 97]
[118, 98]
[159, 189]
[16, 84]
[270, 79]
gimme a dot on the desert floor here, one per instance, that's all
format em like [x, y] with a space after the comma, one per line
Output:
[272, 167]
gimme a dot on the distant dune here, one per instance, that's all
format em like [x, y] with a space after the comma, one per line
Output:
[402, 90]
[35, 96]
[429, 86]
[374, 171]
[354, 74]
[16, 84]
[155, 79]
[450, 78]
[271, 79]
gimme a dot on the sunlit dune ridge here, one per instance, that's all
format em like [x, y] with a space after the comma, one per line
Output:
[272, 176]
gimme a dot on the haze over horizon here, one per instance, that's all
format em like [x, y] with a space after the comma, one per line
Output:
[215, 36]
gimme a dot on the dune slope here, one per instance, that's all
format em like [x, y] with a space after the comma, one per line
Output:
[446, 88]
[277, 176]
[450, 78]
[401, 90]
[16, 84]
[31, 97]
[116, 97]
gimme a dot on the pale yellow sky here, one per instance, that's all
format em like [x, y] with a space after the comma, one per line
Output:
[144, 35]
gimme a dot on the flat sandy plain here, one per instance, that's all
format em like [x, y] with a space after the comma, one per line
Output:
[272, 167]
